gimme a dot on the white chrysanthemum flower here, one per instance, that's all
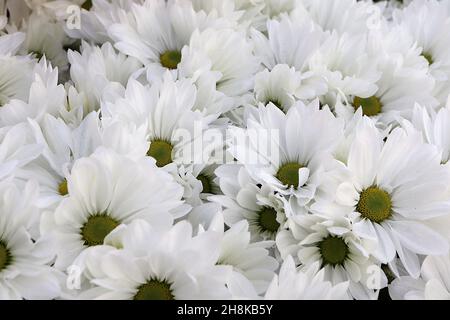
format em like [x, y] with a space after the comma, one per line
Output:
[45, 96]
[63, 145]
[433, 284]
[157, 31]
[428, 22]
[289, 152]
[45, 38]
[15, 71]
[244, 199]
[99, 199]
[251, 261]
[398, 89]
[345, 63]
[288, 42]
[166, 109]
[25, 258]
[394, 187]
[156, 263]
[97, 67]
[283, 86]
[304, 284]
[344, 16]
[225, 51]
[342, 255]
[17, 149]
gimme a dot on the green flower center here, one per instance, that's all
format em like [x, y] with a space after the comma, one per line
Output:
[374, 204]
[428, 57]
[276, 102]
[334, 250]
[161, 151]
[267, 220]
[206, 183]
[87, 5]
[37, 54]
[5, 256]
[288, 174]
[97, 228]
[170, 59]
[370, 106]
[154, 290]
[62, 188]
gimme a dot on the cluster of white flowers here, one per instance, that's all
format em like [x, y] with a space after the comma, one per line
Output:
[224, 149]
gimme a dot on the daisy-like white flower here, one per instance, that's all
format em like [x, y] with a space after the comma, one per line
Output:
[45, 37]
[225, 51]
[99, 199]
[282, 86]
[45, 95]
[244, 199]
[433, 284]
[97, 67]
[393, 188]
[307, 283]
[157, 263]
[398, 88]
[343, 16]
[331, 242]
[25, 257]
[166, 109]
[288, 42]
[250, 260]
[289, 152]
[63, 145]
[156, 31]
[17, 149]
[345, 63]
[427, 22]
[15, 71]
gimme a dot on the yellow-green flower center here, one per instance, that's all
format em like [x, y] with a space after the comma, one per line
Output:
[5, 256]
[288, 174]
[154, 290]
[87, 5]
[170, 59]
[276, 102]
[97, 228]
[374, 204]
[206, 183]
[428, 57]
[161, 151]
[267, 220]
[334, 250]
[62, 188]
[370, 106]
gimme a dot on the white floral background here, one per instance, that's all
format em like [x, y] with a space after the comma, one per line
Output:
[100, 198]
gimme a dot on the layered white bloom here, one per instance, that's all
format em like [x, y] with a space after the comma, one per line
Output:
[343, 255]
[17, 149]
[45, 38]
[294, 283]
[45, 96]
[99, 200]
[166, 108]
[394, 187]
[156, 31]
[15, 71]
[427, 21]
[433, 284]
[156, 263]
[25, 256]
[244, 199]
[289, 152]
[63, 145]
[95, 68]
